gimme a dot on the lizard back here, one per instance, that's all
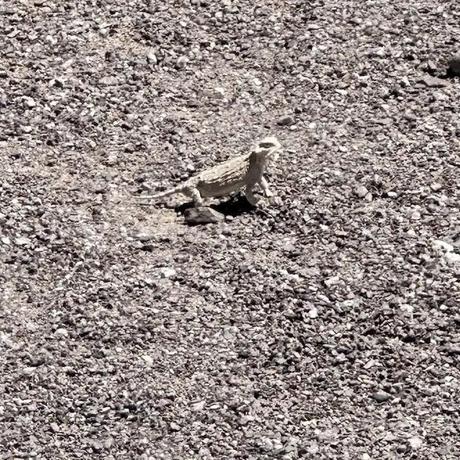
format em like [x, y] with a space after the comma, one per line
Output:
[224, 178]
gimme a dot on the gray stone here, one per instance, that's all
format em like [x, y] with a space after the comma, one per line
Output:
[381, 396]
[454, 65]
[434, 82]
[202, 215]
[361, 191]
[287, 120]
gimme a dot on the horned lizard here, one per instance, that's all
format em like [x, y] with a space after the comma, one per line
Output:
[241, 172]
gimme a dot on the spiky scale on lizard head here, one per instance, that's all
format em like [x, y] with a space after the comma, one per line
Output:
[266, 149]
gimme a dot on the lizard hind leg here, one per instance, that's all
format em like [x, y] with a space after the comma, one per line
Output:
[195, 195]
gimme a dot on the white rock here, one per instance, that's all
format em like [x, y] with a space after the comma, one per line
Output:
[452, 258]
[442, 245]
[29, 102]
[21, 241]
[415, 442]
[61, 332]
[166, 272]
[147, 359]
[152, 57]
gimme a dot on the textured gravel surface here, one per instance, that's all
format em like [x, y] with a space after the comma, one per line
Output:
[324, 326]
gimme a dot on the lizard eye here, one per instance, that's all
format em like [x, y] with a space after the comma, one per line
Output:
[267, 145]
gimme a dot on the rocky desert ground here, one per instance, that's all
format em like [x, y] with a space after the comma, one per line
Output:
[324, 324]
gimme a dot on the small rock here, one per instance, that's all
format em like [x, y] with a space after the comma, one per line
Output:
[109, 81]
[442, 245]
[198, 406]
[381, 396]
[287, 120]
[433, 82]
[313, 313]
[54, 427]
[219, 92]
[152, 57]
[166, 272]
[62, 332]
[454, 65]
[148, 360]
[181, 61]
[361, 191]
[108, 443]
[67, 64]
[96, 445]
[453, 348]
[452, 258]
[436, 186]
[143, 236]
[202, 215]
[22, 241]
[57, 82]
[415, 215]
[111, 160]
[415, 442]
[29, 102]
[404, 82]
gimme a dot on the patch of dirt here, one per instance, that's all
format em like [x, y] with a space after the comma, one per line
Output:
[323, 326]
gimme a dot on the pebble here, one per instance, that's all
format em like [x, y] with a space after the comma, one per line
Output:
[286, 120]
[29, 102]
[109, 81]
[148, 360]
[152, 57]
[62, 332]
[452, 258]
[22, 241]
[415, 442]
[181, 61]
[454, 65]
[415, 215]
[202, 215]
[97, 445]
[361, 191]
[54, 427]
[439, 244]
[143, 236]
[381, 396]
[433, 82]
[166, 272]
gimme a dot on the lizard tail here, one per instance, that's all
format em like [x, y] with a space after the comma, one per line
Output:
[159, 195]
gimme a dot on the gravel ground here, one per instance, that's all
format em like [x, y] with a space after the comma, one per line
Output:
[325, 326]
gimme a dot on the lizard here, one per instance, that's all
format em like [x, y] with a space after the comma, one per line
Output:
[244, 171]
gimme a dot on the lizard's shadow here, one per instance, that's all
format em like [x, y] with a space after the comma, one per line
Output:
[234, 206]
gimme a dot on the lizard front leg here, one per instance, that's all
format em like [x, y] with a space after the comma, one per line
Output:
[249, 194]
[265, 188]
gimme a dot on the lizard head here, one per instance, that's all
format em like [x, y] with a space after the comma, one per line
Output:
[267, 148]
